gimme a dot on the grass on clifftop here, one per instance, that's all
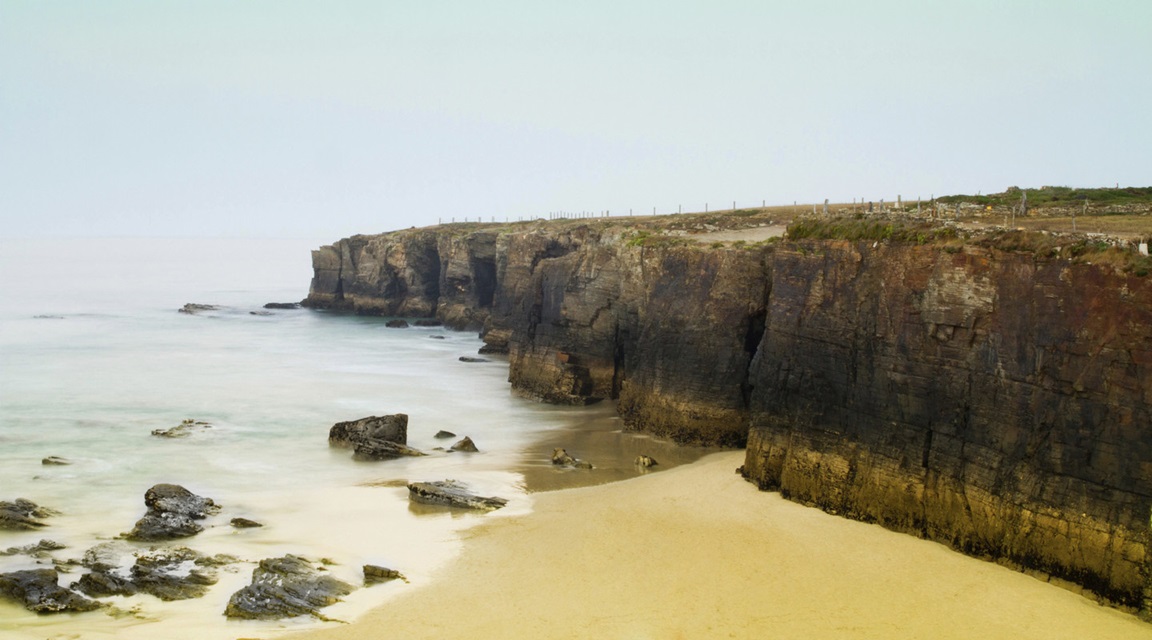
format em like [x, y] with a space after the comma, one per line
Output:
[857, 229]
[1057, 197]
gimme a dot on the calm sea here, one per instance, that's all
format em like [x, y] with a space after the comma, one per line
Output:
[94, 356]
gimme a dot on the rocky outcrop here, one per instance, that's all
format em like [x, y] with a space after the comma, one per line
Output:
[450, 493]
[39, 591]
[172, 512]
[22, 515]
[286, 587]
[992, 399]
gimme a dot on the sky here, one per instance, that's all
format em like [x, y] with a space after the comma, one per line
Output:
[327, 119]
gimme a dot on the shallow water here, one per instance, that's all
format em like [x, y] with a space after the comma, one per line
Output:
[94, 356]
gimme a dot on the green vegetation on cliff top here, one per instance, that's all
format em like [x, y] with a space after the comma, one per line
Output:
[1057, 197]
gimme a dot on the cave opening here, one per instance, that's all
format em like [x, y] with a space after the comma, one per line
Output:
[484, 280]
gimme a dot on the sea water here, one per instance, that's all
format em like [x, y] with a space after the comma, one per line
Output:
[94, 356]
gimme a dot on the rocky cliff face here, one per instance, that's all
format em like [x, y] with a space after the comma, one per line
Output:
[989, 400]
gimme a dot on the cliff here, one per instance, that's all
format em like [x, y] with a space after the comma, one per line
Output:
[997, 401]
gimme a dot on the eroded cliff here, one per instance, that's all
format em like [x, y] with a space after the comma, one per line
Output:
[992, 400]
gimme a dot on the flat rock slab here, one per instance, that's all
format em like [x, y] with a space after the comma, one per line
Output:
[383, 450]
[182, 430]
[39, 590]
[286, 587]
[450, 493]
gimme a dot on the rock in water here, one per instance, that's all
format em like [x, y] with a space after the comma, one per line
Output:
[176, 499]
[193, 308]
[561, 458]
[397, 324]
[186, 428]
[375, 575]
[282, 305]
[472, 359]
[383, 450]
[55, 460]
[22, 515]
[444, 434]
[393, 428]
[39, 590]
[245, 523]
[465, 445]
[428, 322]
[645, 461]
[172, 510]
[41, 549]
[168, 574]
[286, 587]
[450, 493]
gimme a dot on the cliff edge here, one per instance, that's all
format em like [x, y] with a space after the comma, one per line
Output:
[992, 393]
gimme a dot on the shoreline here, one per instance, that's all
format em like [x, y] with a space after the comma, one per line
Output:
[695, 551]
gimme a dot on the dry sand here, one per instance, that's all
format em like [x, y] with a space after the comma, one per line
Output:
[696, 552]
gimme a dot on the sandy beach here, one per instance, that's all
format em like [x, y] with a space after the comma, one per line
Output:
[697, 552]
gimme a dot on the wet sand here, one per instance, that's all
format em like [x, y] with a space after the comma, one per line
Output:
[696, 552]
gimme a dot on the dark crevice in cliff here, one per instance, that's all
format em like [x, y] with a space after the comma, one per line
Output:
[484, 280]
[753, 336]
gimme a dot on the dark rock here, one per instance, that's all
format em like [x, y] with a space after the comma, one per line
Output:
[375, 575]
[21, 514]
[99, 584]
[451, 493]
[193, 308]
[282, 305]
[560, 457]
[39, 590]
[444, 434]
[48, 317]
[245, 523]
[472, 359]
[646, 461]
[55, 460]
[397, 324]
[172, 510]
[41, 549]
[178, 573]
[261, 313]
[186, 428]
[173, 574]
[428, 322]
[286, 587]
[382, 450]
[465, 445]
[437, 337]
[393, 428]
[174, 498]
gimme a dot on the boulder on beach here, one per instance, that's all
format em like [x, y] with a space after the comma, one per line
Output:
[397, 324]
[286, 587]
[450, 493]
[172, 512]
[23, 515]
[465, 445]
[393, 428]
[561, 458]
[39, 590]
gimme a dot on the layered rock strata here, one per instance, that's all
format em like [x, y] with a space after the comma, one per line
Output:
[995, 401]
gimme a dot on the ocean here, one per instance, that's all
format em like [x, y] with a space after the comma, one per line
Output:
[94, 356]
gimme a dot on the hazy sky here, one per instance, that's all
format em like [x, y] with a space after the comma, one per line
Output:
[325, 119]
